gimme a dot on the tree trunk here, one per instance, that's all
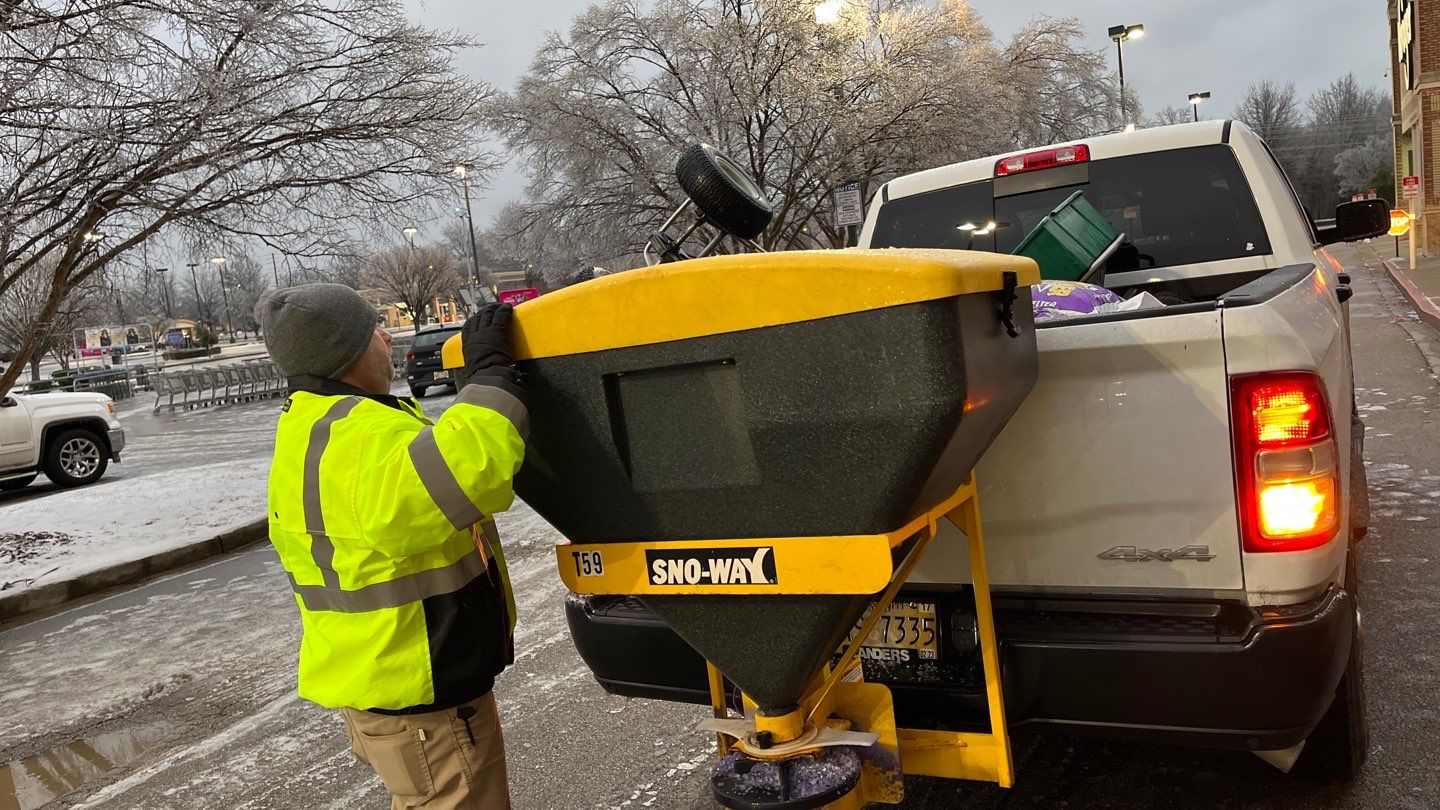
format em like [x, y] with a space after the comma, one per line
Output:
[35, 367]
[30, 349]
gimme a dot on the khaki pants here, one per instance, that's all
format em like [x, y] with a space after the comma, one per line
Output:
[427, 760]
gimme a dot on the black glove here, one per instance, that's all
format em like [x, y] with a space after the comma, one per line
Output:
[485, 338]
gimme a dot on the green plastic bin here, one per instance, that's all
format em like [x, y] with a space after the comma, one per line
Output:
[1072, 242]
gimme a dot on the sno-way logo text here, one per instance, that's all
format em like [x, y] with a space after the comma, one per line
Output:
[718, 566]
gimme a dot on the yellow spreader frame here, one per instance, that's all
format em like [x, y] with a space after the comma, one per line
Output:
[838, 698]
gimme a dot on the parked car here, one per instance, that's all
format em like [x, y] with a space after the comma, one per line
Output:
[71, 437]
[422, 363]
[1170, 516]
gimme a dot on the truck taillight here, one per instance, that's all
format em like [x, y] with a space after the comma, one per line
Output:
[410, 355]
[1286, 461]
[1042, 159]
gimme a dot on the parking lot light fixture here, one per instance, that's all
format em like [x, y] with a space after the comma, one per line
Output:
[1121, 34]
[1195, 99]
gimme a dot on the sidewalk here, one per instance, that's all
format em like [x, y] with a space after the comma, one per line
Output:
[1421, 286]
[116, 531]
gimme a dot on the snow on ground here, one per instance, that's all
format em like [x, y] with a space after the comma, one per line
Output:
[73, 532]
[184, 477]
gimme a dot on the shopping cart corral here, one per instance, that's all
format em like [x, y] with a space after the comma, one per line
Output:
[217, 385]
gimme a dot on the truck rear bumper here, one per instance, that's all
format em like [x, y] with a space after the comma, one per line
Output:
[1265, 689]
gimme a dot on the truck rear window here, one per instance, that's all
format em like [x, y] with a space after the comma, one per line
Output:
[1182, 206]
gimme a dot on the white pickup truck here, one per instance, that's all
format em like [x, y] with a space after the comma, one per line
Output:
[1170, 514]
[71, 437]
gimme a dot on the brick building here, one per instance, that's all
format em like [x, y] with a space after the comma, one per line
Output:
[1415, 89]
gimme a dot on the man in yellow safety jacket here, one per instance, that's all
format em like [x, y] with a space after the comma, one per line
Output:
[382, 519]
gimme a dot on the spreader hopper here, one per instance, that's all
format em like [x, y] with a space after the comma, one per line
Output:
[751, 444]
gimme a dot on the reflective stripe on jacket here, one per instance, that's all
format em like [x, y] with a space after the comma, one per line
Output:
[381, 519]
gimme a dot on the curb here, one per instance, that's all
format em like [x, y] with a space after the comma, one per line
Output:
[1421, 303]
[58, 593]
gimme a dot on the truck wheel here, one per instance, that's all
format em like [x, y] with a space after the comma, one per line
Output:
[15, 484]
[1359, 485]
[75, 457]
[724, 193]
[417, 393]
[1337, 748]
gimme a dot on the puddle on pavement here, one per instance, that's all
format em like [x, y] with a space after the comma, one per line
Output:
[33, 782]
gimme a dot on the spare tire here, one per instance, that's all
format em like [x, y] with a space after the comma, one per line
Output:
[728, 197]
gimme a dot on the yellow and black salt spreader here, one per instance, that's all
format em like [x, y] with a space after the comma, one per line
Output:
[759, 448]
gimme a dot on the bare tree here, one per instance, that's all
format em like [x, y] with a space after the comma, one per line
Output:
[457, 237]
[605, 110]
[1370, 165]
[285, 121]
[1272, 110]
[1342, 115]
[1057, 91]
[413, 277]
[245, 281]
[21, 321]
[202, 300]
[1166, 116]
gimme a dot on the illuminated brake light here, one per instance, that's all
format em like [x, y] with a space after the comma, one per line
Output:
[1287, 413]
[1286, 461]
[1042, 159]
[1298, 509]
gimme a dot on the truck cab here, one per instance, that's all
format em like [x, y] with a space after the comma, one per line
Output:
[1170, 515]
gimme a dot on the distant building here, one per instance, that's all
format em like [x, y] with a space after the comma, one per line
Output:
[393, 315]
[1415, 89]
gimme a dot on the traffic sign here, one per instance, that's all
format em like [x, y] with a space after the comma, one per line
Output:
[1410, 185]
[1399, 222]
[848, 208]
[519, 296]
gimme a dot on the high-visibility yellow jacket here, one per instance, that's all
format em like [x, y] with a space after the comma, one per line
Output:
[382, 520]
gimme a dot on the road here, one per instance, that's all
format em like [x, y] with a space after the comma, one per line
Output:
[189, 680]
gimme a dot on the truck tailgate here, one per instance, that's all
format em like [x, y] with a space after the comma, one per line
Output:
[1115, 476]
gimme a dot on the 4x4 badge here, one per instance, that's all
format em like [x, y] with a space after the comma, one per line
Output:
[1133, 554]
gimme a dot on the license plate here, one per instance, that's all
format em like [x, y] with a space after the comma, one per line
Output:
[908, 626]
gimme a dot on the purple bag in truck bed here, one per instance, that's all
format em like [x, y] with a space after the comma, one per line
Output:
[1060, 299]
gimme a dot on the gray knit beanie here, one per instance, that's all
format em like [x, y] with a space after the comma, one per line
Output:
[316, 329]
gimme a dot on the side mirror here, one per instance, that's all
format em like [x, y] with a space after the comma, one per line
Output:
[8, 402]
[1356, 220]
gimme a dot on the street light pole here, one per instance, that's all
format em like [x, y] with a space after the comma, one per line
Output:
[464, 172]
[1195, 99]
[165, 288]
[219, 262]
[1121, 33]
[195, 282]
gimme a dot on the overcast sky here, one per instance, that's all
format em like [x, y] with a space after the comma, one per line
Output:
[1190, 45]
